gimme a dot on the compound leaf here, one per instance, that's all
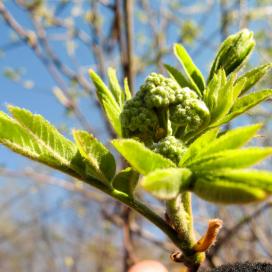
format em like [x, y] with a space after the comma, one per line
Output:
[34, 137]
[223, 191]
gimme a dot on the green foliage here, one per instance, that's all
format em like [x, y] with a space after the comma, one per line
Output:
[108, 100]
[178, 76]
[174, 125]
[32, 136]
[115, 87]
[140, 157]
[167, 183]
[238, 158]
[252, 77]
[232, 139]
[243, 104]
[192, 72]
[226, 192]
[126, 181]
[100, 163]
[251, 177]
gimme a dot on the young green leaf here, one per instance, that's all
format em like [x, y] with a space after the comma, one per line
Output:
[178, 76]
[126, 181]
[140, 157]
[99, 161]
[108, 102]
[237, 158]
[253, 76]
[224, 100]
[167, 183]
[251, 100]
[34, 137]
[226, 192]
[115, 87]
[251, 177]
[190, 68]
[237, 88]
[127, 90]
[200, 143]
[211, 92]
[232, 139]
[243, 104]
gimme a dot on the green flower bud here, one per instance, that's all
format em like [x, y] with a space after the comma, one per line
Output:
[159, 91]
[190, 113]
[159, 105]
[170, 147]
[138, 120]
[233, 52]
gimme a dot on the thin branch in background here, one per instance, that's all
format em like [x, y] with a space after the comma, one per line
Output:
[128, 21]
[30, 39]
[97, 40]
[243, 11]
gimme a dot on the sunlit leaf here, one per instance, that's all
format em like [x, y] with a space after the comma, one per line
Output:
[126, 89]
[34, 137]
[243, 104]
[226, 192]
[232, 139]
[253, 76]
[140, 157]
[190, 68]
[178, 76]
[126, 181]
[251, 177]
[197, 146]
[100, 162]
[115, 87]
[167, 183]
[237, 158]
[108, 102]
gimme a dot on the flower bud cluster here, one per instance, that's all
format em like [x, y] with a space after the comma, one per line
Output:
[140, 116]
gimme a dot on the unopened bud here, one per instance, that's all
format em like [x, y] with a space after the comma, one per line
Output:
[233, 52]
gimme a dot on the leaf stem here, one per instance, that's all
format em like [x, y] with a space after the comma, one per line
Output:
[180, 214]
